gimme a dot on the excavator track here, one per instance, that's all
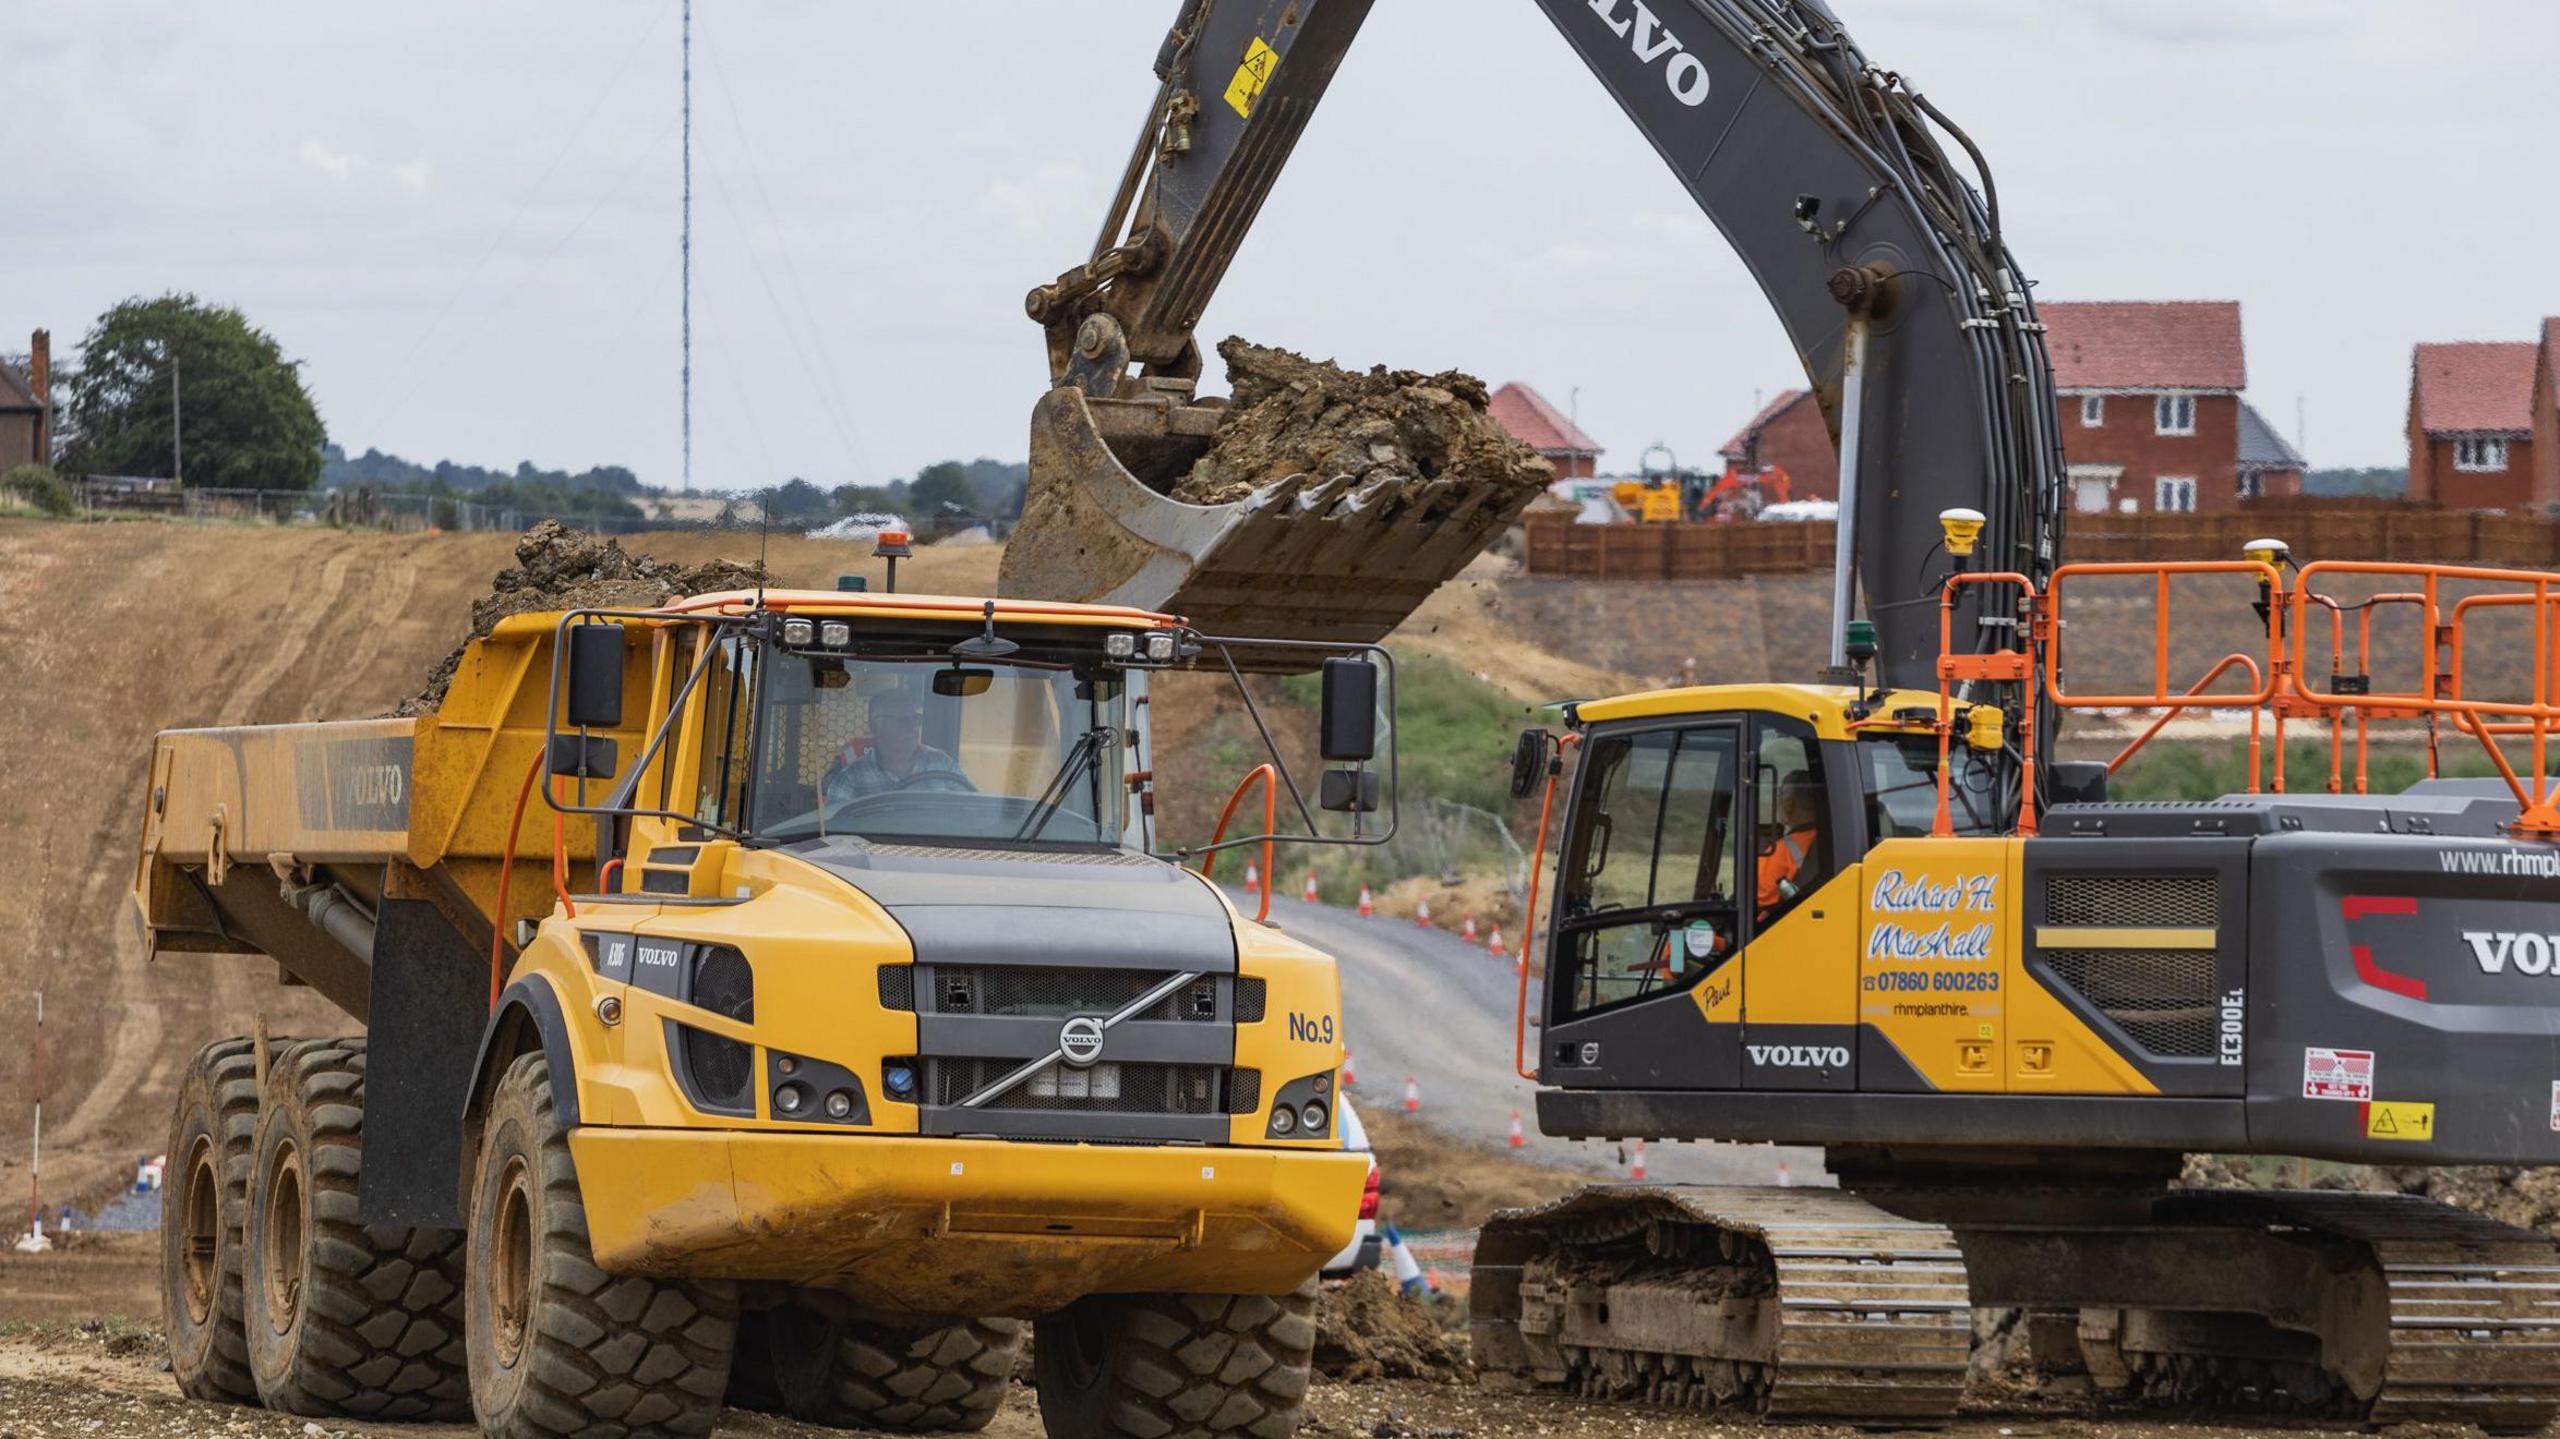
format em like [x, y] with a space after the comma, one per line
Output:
[1781, 1303]
[2473, 1332]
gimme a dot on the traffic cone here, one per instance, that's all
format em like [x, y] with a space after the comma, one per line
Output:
[1422, 913]
[1519, 1138]
[1310, 895]
[1494, 947]
[1408, 1273]
[1785, 1180]
[1468, 933]
[1364, 901]
[1252, 879]
[1412, 1096]
[1349, 1079]
[1635, 1170]
[1431, 1279]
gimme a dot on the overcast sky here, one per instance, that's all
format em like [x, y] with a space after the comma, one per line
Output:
[462, 216]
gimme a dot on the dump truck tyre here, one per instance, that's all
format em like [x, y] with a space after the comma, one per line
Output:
[849, 1374]
[558, 1347]
[203, 1215]
[1176, 1366]
[343, 1318]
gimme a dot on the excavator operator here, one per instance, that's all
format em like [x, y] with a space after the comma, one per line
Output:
[1789, 861]
[898, 753]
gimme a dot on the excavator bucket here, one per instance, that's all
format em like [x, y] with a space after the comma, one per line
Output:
[1305, 558]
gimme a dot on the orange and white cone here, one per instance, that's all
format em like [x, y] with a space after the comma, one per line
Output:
[1252, 879]
[1519, 1138]
[1785, 1180]
[1635, 1169]
[1412, 1096]
[1422, 913]
[1467, 932]
[1494, 945]
[1350, 1078]
[1365, 902]
[1310, 895]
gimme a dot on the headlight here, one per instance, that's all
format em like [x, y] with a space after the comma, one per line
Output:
[835, 634]
[839, 1104]
[1120, 646]
[1283, 1121]
[798, 632]
[788, 1099]
[1160, 648]
[1313, 1117]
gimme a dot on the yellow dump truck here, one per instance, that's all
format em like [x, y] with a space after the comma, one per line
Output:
[768, 999]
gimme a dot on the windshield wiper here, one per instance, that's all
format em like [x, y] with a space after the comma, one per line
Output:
[1053, 795]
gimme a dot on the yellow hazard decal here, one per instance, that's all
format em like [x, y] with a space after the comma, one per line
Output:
[1259, 61]
[2384, 1119]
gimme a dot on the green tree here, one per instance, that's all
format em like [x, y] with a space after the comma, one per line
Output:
[247, 422]
[941, 489]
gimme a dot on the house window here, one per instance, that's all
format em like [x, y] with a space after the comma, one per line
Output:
[2480, 456]
[2176, 414]
[2093, 411]
[2253, 484]
[2173, 494]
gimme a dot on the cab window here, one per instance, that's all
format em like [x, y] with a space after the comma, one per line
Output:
[1791, 819]
[1650, 900]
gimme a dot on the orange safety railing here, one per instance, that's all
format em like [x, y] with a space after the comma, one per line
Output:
[1529, 914]
[1269, 777]
[2282, 688]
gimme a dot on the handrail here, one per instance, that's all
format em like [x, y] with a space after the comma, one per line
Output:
[2256, 677]
[1529, 915]
[1270, 778]
[2283, 687]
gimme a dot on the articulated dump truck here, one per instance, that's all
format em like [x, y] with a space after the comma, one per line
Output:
[768, 999]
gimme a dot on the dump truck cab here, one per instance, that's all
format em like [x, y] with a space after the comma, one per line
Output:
[813, 950]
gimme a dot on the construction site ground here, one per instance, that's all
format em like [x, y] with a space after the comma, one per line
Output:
[110, 632]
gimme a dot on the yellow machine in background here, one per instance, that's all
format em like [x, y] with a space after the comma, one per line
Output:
[824, 1018]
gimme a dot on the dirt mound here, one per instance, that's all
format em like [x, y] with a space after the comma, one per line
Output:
[1296, 416]
[558, 568]
[1366, 1329]
[1430, 1180]
[2526, 1198]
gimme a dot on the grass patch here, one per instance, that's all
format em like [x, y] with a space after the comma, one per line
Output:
[2199, 770]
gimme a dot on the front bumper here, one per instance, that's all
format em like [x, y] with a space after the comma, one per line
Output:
[962, 1227]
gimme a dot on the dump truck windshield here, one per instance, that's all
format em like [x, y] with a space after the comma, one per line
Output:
[923, 748]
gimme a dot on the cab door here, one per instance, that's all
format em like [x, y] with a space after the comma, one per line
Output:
[1642, 988]
[1800, 955]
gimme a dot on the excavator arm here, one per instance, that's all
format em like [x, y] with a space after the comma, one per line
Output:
[1825, 173]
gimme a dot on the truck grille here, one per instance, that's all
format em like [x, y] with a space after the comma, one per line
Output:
[2119, 900]
[1062, 993]
[2164, 998]
[1106, 1088]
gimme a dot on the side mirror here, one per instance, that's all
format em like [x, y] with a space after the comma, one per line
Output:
[584, 756]
[1348, 718]
[1529, 761]
[959, 683]
[595, 676]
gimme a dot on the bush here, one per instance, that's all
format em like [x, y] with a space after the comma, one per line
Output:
[39, 486]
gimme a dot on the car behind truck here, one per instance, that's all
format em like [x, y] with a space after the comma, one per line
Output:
[769, 999]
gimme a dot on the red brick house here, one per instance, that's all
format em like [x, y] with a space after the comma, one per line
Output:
[1789, 432]
[2152, 417]
[2546, 418]
[26, 415]
[1529, 418]
[2471, 421]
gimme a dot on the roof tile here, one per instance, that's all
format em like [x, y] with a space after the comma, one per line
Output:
[2474, 387]
[2145, 344]
[1531, 420]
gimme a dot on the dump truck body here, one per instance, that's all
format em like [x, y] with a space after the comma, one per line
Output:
[934, 1035]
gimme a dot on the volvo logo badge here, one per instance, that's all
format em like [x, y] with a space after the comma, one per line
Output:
[1080, 1041]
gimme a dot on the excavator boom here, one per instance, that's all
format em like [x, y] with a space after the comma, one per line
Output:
[1826, 174]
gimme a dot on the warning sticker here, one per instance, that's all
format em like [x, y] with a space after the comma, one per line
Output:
[2337, 1074]
[2386, 1120]
[1259, 61]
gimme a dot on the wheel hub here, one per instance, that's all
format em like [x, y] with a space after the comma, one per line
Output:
[511, 1283]
[200, 1231]
[282, 1272]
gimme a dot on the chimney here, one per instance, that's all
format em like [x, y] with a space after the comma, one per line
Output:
[40, 380]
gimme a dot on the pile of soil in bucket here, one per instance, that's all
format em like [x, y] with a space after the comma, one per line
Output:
[558, 568]
[1296, 416]
[1367, 1329]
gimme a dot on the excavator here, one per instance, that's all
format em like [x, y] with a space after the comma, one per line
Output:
[1878, 913]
